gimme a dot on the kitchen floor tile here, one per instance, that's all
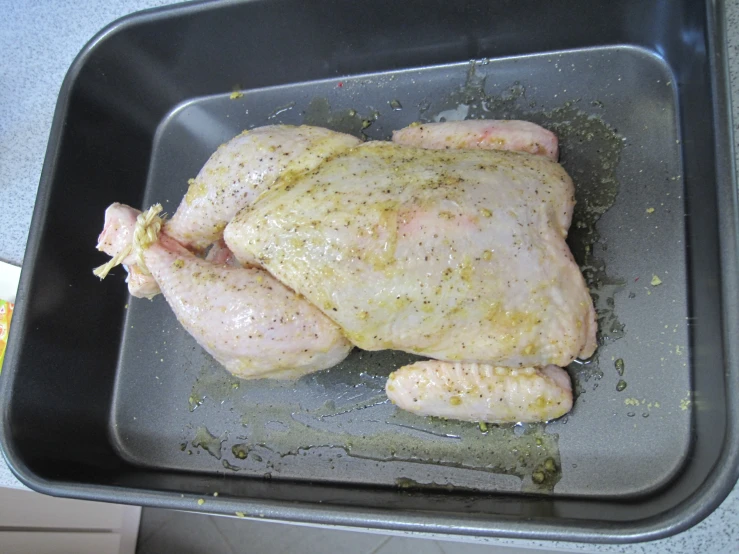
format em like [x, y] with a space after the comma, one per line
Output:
[266, 537]
[404, 545]
[165, 531]
[468, 548]
[153, 519]
[182, 533]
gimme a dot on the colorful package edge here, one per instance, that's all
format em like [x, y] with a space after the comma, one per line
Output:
[6, 313]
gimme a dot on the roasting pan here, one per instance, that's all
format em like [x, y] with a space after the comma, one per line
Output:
[105, 397]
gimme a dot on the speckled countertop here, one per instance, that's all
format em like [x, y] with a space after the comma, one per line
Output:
[39, 40]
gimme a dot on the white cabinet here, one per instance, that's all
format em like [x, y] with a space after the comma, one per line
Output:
[38, 524]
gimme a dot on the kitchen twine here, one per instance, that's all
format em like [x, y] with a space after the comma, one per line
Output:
[146, 232]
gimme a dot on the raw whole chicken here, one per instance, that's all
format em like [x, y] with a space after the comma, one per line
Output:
[447, 242]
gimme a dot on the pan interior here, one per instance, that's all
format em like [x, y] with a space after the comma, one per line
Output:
[615, 111]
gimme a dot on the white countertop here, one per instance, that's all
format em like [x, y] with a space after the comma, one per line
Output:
[38, 42]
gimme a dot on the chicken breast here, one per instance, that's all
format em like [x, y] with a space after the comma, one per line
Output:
[458, 255]
[481, 392]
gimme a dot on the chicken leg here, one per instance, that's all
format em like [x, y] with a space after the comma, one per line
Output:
[247, 320]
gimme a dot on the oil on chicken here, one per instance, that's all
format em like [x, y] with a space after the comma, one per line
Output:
[295, 244]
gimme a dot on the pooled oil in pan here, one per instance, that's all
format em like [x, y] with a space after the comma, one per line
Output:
[287, 428]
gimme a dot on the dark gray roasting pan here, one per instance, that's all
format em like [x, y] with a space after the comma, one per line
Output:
[105, 397]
